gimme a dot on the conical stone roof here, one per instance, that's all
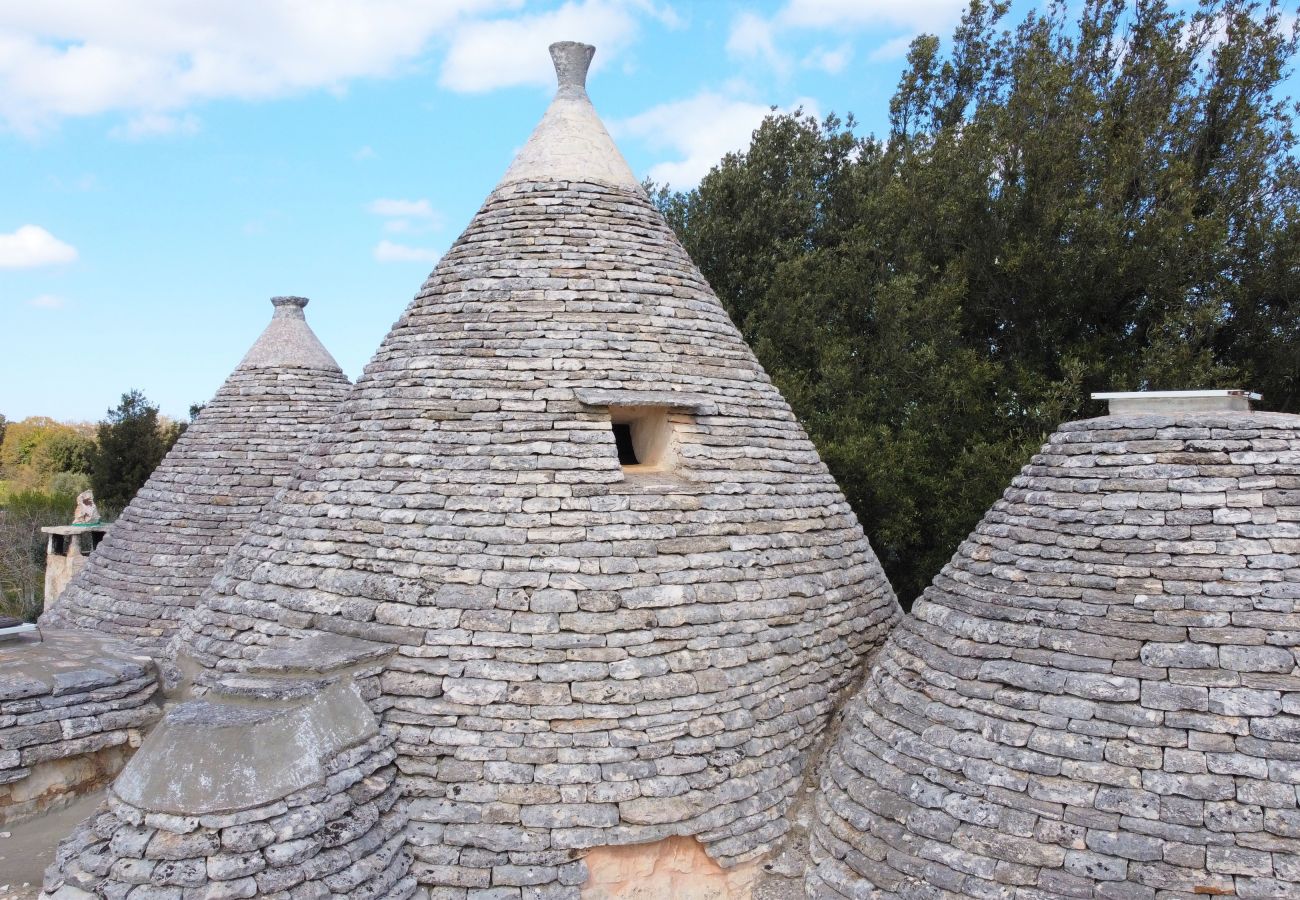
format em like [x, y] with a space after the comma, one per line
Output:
[173, 536]
[588, 654]
[1098, 695]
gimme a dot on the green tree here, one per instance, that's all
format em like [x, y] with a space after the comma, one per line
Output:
[66, 452]
[1103, 197]
[39, 448]
[132, 441]
[22, 548]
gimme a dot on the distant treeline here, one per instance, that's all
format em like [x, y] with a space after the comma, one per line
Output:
[44, 464]
[1097, 199]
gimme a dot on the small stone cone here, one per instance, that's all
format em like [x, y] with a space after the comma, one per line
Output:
[171, 539]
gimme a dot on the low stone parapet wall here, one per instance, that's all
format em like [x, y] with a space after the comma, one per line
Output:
[276, 787]
[73, 706]
[341, 837]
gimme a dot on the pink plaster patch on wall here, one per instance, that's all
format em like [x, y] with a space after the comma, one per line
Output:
[676, 868]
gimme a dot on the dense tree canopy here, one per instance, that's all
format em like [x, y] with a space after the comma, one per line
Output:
[132, 441]
[1105, 201]
[36, 450]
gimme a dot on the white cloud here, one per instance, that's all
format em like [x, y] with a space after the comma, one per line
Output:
[65, 58]
[699, 131]
[366, 152]
[31, 246]
[387, 251]
[404, 208]
[752, 37]
[405, 216]
[47, 301]
[498, 53]
[893, 49]
[156, 124]
[830, 60]
[920, 15]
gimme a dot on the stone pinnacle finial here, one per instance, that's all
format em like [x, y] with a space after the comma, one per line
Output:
[570, 143]
[289, 307]
[571, 60]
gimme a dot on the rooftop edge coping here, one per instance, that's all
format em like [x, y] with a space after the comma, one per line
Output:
[1124, 403]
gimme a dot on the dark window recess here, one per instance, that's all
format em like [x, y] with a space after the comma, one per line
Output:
[623, 440]
[85, 543]
[58, 545]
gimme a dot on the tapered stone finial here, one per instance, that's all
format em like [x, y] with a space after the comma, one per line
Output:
[289, 307]
[288, 341]
[570, 143]
[572, 59]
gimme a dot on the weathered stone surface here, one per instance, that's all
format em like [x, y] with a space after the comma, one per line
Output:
[169, 542]
[85, 513]
[586, 654]
[1094, 698]
[355, 849]
[72, 705]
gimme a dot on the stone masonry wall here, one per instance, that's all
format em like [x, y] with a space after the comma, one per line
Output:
[1099, 695]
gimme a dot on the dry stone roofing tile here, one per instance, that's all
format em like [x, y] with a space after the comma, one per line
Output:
[170, 540]
[584, 655]
[1098, 696]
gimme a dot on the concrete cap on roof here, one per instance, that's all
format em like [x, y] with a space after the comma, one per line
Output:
[571, 143]
[207, 757]
[288, 341]
[1124, 403]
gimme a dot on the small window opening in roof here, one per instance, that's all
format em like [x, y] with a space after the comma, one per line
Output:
[644, 438]
[623, 440]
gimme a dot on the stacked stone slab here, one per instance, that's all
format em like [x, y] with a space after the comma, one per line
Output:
[171, 539]
[586, 654]
[271, 787]
[1098, 696]
[72, 708]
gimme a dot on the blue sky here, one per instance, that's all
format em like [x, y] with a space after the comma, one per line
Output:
[166, 166]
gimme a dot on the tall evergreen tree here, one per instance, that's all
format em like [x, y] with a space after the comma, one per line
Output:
[1101, 198]
[132, 442]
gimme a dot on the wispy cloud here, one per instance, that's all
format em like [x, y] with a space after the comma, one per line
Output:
[921, 15]
[697, 132]
[155, 124]
[832, 61]
[892, 49]
[403, 216]
[753, 37]
[32, 246]
[406, 208]
[509, 52]
[70, 58]
[47, 301]
[388, 251]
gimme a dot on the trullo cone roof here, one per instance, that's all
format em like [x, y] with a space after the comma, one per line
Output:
[170, 540]
[1098, 696]
[588, 655]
